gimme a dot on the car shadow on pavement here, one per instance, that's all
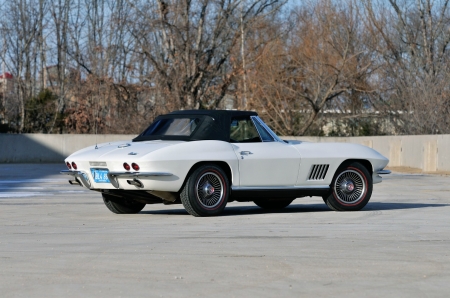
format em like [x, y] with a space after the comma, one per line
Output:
[299, 208]
[304, 208]
[247, 210]
[294, 208]
[378, 206]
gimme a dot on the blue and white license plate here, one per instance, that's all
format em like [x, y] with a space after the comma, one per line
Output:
[100, 175]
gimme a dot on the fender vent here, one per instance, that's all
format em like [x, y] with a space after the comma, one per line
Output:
[318, 172]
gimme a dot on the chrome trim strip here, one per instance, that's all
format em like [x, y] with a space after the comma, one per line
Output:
[112, 176]
[138, 174]
[279, 187]
[253, 118]
[80, 175]
[383, 172]
[268, 129]
[67, 172]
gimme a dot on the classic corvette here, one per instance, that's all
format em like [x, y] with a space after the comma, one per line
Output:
[204, 159]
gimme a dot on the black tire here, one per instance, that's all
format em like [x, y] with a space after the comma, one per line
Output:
[206, 191]
[122, 205]
[273, 204]
[350, 189]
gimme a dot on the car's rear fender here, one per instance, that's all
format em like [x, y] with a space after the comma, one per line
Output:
[222, 164]
[182, 159]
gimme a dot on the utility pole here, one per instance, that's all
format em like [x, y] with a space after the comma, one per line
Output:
[4, 90]
[244, 72]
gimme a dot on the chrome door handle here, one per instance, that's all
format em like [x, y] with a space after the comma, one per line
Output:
[245, 153]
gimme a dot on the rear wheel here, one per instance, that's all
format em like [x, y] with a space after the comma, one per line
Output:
[351, 188]
[122, 205]
[206, 191]
[273, 204]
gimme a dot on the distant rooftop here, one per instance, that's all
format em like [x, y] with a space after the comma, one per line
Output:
[6, 75]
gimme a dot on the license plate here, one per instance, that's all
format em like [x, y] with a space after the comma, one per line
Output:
[100, 175]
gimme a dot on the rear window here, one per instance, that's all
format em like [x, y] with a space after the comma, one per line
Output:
[172, 127]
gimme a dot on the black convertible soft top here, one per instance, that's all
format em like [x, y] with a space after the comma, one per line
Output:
[214, 125]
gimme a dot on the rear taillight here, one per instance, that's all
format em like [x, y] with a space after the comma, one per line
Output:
[135, 166]
[68, 165]
[126, 166]
[74, 165]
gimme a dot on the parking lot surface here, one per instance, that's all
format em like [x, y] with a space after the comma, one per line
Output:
[59, 240]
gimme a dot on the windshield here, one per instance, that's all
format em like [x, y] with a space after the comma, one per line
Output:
[172, 127]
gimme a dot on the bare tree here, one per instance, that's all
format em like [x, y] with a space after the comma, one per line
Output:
[321, 62]
[20, 25]
[413, 46]
[59, 12]
[188, 45]
[94, 66]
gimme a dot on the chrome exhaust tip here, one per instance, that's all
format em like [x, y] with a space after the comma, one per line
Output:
[75, 182]
[135, 182]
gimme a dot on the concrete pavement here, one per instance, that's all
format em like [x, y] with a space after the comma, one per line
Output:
[58, 240]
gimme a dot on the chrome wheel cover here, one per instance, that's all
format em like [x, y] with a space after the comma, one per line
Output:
[209, 190]
[350, 187]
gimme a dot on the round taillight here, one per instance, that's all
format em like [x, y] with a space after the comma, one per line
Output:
[126, 166]
[135, 166]
[74, 165]
[68, 165]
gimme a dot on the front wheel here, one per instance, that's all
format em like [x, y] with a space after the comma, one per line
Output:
[121, 205]
[351, 188]
[206, 191]
[273, 204]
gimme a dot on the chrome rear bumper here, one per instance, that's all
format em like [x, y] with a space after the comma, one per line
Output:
[137, 174]
[112, 176]
[79, 176]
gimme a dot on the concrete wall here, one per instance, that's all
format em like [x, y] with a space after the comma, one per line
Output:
[429, 153]
[34, 148]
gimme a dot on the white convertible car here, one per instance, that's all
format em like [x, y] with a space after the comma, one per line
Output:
[204, 159]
